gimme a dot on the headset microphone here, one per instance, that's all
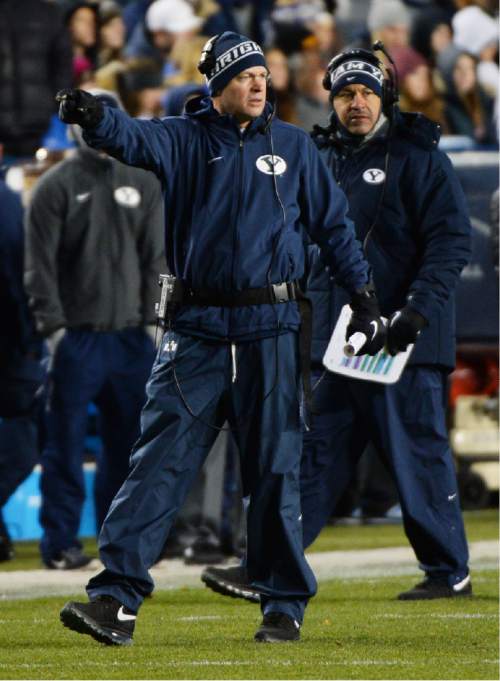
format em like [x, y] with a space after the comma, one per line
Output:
[271, 98]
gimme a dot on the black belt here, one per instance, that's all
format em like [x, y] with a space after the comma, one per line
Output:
[271, 295]
[284, 292]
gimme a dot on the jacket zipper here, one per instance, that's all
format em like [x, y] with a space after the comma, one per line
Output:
[236, 238]
[235, 225]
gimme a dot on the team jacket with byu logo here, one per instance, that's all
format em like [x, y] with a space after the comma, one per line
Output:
[225, 229]
[420, 231]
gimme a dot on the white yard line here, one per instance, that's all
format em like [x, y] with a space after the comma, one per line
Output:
[174, 574]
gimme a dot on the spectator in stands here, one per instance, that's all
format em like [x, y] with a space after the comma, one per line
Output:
[133, 16]
[389, 21]
[140, 86]
[416, 87]
[431, 32]
[184, 57]
[170, 21]
[311, 103]
[111, 33]
[324, 38]
[94, 252]
[21, 373]
[34, 64]
[80, 17]
[282, 85]
[468, 109]
[290, 22]
[476, 32]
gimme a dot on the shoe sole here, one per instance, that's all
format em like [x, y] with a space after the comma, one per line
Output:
[228, 589]
[269, 638]
[83, 624]
[458, 594]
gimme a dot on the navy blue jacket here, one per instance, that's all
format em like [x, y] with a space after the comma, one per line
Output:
[420, 239]
[17, 336]
[225, 228]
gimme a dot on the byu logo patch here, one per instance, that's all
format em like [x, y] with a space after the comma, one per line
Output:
[271, 164]
[374, 176]
[169, 345]
[127, 196]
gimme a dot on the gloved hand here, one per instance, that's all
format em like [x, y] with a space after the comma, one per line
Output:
[366, 319]
[78, 106]
[404, 328]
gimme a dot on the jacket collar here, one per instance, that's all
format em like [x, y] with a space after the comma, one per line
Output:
[413, 126]
[202, 109]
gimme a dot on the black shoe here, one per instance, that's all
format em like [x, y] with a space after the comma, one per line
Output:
[69, 559]
[105, 619]
[6, 548]
[277, 627]
[231, 581]
[437, 588]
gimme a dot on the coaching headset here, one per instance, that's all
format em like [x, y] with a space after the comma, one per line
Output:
[390, 93]
[207, 63]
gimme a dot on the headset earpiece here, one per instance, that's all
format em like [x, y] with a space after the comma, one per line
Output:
[390, 95]
[207, 57]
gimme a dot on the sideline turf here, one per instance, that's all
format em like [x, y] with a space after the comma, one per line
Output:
[354, 630]
[480, 525]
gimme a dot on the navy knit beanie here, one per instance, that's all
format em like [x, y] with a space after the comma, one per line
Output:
[233, 54]
[356, 71]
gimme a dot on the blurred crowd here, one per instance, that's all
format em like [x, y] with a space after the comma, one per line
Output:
[146, 51]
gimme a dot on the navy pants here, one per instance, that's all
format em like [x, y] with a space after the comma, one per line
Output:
[111, 370]
[406, 424]
[18, 452]
[174, 444]
[19, 434]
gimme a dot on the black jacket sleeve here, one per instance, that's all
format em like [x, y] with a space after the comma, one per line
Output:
[44, 225]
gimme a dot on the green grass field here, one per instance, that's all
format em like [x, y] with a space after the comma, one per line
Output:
[354, 630]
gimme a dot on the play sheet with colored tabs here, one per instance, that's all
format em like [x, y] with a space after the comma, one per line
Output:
[381, 368]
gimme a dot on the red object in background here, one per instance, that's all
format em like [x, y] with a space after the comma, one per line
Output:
[474, 375]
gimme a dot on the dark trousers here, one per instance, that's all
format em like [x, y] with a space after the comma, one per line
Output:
[111, 370]
[174, 444]
[405, 422]
[18, 452]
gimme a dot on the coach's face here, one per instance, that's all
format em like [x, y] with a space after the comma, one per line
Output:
[358, 108]
[244, 96]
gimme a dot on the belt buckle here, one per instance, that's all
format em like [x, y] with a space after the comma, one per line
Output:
[280, 292]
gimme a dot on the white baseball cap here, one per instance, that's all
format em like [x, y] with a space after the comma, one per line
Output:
[173, 16]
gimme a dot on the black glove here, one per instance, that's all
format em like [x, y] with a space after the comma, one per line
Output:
[366, 319]
[403, 329]
[78, 106]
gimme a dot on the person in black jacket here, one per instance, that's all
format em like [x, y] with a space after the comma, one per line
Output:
[94, 249]
[240, 188]
[35, 62]
[410, 213]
